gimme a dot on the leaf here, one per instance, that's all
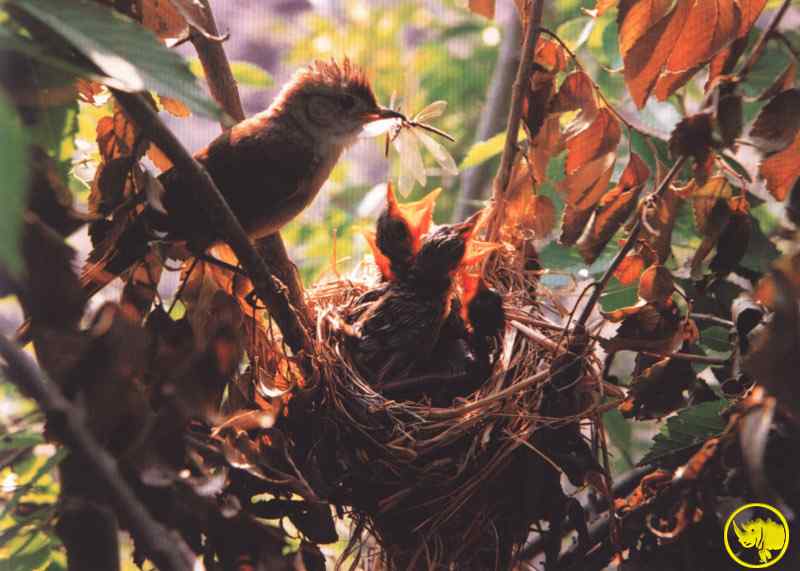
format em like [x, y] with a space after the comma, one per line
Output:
[750, 11]
[647, 36]
[123, 50]
[779, 121]
[544, 215]
[728, 115]
[710, 26]
[781, 170]
[629, 269]
[482, 151]
[14, 166]
[483, 7]
[174, 107]
[646, 326]
[537, 101]
[656, 284]
[661, 218]
[551, 55]
[546, 144]
[689, 428]
[710, 206]
[585, 186]
[732, 244]
[251, 75]
[164, 19]
[692, 137]
[600, 137]
[575, 93]
[659, 389]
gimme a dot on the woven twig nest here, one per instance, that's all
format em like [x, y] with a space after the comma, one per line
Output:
[437, 487]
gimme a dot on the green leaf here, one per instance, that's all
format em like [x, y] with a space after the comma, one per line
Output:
[575, 32]
[689, 428]
[23, 489]
[18, 440]
[484, 150]
[14, 166]
[122, 49]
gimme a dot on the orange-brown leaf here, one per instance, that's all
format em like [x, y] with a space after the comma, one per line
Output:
[656, 284]
[546, 144]
[573, 224]
[709, 27]
[483, 7]
[636, 18]
[781, 170]
[661, 218]
[603, 5]
[163, 18]
[636, 173]
[551, 55]
[159, 159]
[750, 11]
[585, 186]
[645, 56]
[614, 208]
[710, 205]
[599, 138]
[629, 269]
[576, 93]
[544, 215]
[174, 107]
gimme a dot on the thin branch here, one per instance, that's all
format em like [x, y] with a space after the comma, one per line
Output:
[705, 359]
[711, 319]
[787, 44]
[268, 288]
[518, 91]
[755, 54]
[166, 549]
[629, 243]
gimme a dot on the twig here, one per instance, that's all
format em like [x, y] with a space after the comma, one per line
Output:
[518, 91]
[629, 243]
[688, 357]
[166, 549]
[755, 54]
[268, 288]
[711, 319]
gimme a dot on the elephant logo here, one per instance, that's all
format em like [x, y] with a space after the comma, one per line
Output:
[757, 542]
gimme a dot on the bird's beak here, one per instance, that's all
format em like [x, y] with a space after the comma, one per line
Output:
[417, 215]
[476, 250]
[383, 113]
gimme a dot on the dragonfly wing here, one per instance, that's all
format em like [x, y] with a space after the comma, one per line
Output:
[410, 156]
[439, 153]
[376, 128]
[431, 111]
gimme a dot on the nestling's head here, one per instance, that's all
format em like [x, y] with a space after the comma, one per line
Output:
[331, 100]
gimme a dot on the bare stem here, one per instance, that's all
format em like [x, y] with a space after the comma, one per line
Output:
[166, 549]
[629, 243]
[518, 91]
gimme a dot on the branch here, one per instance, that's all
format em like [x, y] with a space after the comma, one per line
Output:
[476, 179]
[762, 40]
[518, 91]
[223, 88]
[629, 243]
[165, 548]
[268, 288]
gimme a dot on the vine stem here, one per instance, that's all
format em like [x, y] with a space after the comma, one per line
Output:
[518, 91]
[600, 286]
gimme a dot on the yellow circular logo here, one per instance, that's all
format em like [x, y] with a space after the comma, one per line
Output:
[756, 536]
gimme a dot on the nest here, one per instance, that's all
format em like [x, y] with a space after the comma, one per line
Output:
[462, 485]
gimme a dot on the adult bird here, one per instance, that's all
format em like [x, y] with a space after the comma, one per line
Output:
[268, 167]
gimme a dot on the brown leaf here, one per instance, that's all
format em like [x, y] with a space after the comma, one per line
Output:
[750, 11]
[551, 55]
[781, 170]
[174, 107]
[163, 18]
[732, 244]
[576, 93]
[648, 327]
[544, 215]
[656, 284]
[585, 186]
[599, 138]
[647, 37]
[116, 135]
[483, 7]
[692, 137]
[779, 121]
[537, 101]
[728, 117]
[546, 144]
[613, 209]
[661, 218]
[710, 206]
[659, 389]
[629, 269]
[710, 26]
[784, 82]
[573, 224]
[88, 90]
[159, 159]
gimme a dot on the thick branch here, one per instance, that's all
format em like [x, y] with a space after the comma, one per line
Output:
[222, 85]
[518, 91]
[476, 179]
[629, 244]
[166, 549]
[268, 289]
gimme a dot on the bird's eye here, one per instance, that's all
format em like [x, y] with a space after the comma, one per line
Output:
[347, 102]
